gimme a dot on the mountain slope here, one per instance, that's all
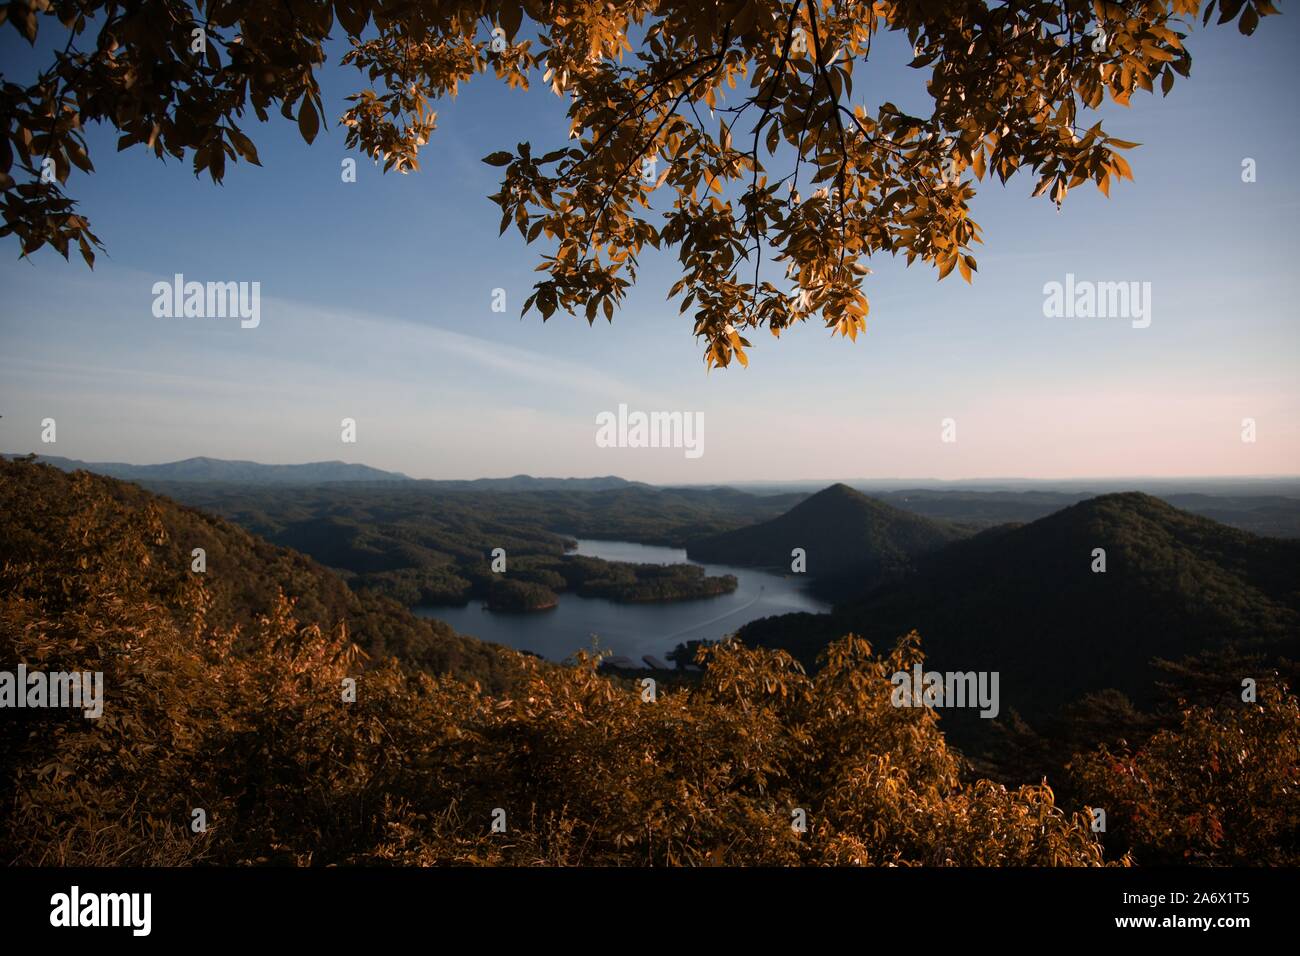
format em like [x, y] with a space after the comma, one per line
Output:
[1024, 601]
[847, 536]
[43, 510]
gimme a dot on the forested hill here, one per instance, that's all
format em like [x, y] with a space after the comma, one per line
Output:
[423, 546]
[43, 510]
[1027, 602]
[221, 697]
[847, 537]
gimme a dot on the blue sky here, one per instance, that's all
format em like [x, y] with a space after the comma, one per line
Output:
[376, 305]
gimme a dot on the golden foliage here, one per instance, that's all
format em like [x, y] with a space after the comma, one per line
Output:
[1011, 85]
[1222, 788]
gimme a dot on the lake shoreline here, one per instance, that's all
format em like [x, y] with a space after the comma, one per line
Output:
[638, 627]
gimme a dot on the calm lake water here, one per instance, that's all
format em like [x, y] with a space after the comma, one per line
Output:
[633, 629]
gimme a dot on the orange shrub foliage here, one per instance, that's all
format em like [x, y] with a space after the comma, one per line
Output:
[1223, 788]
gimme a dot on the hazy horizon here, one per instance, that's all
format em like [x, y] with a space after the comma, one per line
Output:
[759, 480]
[376, 305]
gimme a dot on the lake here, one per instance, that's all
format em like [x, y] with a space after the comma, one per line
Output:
[631, 630]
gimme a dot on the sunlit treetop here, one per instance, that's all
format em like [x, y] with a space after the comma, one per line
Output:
[722, 131]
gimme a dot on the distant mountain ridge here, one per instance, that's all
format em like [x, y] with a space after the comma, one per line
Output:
[1269, 514]
[222, 470]
[314, 473]
[846, 536]
[531, 483]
